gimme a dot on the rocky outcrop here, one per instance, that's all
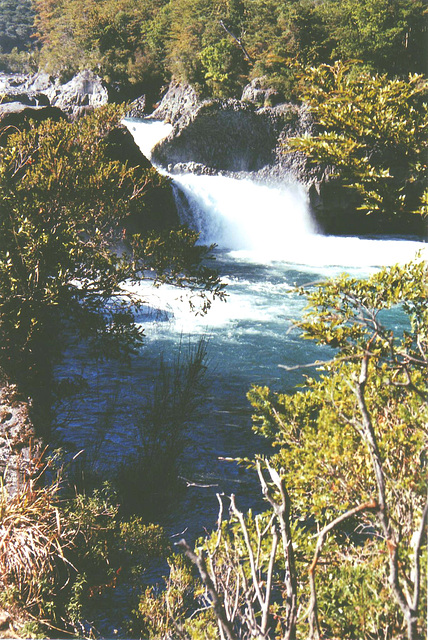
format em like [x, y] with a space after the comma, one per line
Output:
[19, 446]
[232, 136]
[137, 108]
[177, 105]
[82, 94]
[21, 88]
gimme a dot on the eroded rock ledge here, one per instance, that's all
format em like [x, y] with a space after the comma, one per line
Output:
[19, 445]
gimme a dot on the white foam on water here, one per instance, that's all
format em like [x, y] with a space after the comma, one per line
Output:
[147, 133]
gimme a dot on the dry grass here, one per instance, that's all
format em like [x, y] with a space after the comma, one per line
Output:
[32, 543]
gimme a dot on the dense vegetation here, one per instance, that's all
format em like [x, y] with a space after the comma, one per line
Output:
[16, 25]
[372, 130]
[220, 44]
[65, 206]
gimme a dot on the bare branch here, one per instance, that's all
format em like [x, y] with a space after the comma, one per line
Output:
[216, 600]
[244, 530]
[265, 617]
[238, 41]
[282, 512]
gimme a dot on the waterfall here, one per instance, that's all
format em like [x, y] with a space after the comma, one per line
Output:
[264, 222]
[147, 133]
[243, 215]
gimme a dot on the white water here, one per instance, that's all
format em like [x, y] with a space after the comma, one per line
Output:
[147, 133]
[263, 223]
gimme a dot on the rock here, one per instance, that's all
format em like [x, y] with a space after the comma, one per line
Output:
[223, 135]
[10, 81]
[191, 167]
[19, 446]
[39, 82]
[15, 115]
[122, 147]
[259, 93]
[177, 104]
[84, 93]
[137, 108]
[21, 88]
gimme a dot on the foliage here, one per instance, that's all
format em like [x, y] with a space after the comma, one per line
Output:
[64, 206]
[373, 132]
[220, 64]
[16, 25]
[118, 40]
[159, 611]
[32, 546]
[145, 42]
[387, 36]
[59, 555]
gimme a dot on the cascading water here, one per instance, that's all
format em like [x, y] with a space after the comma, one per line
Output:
[244, 215]
[264, 223]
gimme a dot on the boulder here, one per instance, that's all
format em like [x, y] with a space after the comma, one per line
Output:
[82, 94]
[122, 147]
[258, 92]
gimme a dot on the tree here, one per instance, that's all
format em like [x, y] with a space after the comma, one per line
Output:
[16, 25]
[386, 35]
[343, 540]
[63, 266]
[372, 131]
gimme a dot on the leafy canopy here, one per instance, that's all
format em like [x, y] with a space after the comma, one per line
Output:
[64, 208]
[372, 130]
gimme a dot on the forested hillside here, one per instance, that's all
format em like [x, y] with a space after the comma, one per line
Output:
[219, 44]
[16, 25]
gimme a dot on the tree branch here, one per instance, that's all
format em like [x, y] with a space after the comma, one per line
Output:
[238, 41]
[216, 600]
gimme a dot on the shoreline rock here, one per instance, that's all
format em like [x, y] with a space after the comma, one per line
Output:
[19, 444]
